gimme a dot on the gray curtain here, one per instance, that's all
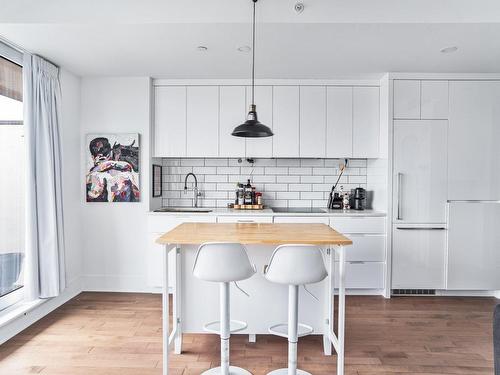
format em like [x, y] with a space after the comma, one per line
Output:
[45, 266]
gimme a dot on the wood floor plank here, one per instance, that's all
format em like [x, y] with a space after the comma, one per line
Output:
[120, 333]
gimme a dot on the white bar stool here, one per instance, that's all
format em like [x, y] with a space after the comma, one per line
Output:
[294, 265]
[224, 263]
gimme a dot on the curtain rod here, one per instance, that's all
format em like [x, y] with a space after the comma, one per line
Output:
[14, 45]
[23, 50]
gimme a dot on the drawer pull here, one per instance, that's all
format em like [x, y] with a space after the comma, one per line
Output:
[357, 262]
[246, 221]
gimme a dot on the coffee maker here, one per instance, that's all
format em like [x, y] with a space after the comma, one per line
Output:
[358, 199]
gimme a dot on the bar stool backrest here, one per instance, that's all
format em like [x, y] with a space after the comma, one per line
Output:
[296, 265]
[222, 262]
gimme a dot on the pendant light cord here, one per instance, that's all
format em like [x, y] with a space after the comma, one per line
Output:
[253, 54]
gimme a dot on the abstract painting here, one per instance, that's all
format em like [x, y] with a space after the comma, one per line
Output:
[112, 168]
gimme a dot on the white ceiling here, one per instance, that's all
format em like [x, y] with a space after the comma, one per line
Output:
[330, 39]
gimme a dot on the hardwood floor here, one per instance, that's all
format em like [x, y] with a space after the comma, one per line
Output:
[120, 334]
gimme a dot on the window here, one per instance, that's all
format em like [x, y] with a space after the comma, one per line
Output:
[12, 177]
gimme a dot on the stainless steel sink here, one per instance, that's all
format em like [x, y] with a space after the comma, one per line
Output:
[184, 209]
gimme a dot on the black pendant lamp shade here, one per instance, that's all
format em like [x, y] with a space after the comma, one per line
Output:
[252, 128]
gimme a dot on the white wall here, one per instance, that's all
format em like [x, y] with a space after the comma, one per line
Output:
[70, 131]
[114, 234]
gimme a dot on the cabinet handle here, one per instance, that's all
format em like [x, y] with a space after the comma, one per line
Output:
[400, 178]
[357, 262]
[246, 221]
[420, 228]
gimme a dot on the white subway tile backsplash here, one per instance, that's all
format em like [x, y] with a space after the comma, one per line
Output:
[312, 162]
[311, 179]
[288, 195]
[288, 179]
[283, 182]
[300, 171]
[216, 178]
[276, 170]
[311, 195]
[216, 162]
[228, 170]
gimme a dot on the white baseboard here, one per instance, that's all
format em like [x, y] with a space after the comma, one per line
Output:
[468, 293]
[30, 316]
[116, 283]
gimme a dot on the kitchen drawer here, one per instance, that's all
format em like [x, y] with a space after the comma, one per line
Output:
[367, 248]
[346, 225]
[302, 219]
[363, 275]
[164, 223]
[245, 219]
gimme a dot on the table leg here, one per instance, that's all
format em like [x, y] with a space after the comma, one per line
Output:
[177, 302]
[165, 311]
[327, 344]
[341, 324]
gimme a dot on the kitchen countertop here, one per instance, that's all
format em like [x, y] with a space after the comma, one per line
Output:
[278, 234]
[270, 212]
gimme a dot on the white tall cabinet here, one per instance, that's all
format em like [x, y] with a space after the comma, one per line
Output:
[312, 121]
[286, 121]
[474, 154]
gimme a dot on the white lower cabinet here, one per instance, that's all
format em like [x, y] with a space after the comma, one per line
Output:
[157, 226]
[363, 275]
[474, 246]
[366, 257]
[418, 257]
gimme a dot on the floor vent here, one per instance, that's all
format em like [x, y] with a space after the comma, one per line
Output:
[413, 292]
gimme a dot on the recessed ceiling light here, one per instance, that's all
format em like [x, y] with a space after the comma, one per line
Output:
[202, 48]
[244, 49]
[449, 49]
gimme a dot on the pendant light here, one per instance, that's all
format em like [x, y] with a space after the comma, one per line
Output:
[252, 128]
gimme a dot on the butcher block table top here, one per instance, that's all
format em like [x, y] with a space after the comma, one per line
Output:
[254, 233]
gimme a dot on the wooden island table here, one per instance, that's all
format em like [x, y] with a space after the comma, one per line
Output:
[256, 234]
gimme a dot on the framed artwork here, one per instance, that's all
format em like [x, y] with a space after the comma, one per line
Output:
[112, 168]
[157, 180]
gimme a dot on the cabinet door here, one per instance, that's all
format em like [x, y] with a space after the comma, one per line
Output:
[313, 121]
[233, 112]
[473, 246]
[407, 99]
[420, 166]
[339, 122]
[202, 121]
[418, 257]
[285, 121]
[473, 152]
[434, 100]
[170, 121]
[366, 122]
[261, 147]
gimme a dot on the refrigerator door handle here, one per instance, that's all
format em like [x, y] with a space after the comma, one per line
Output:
[421, 228]
[399, 195]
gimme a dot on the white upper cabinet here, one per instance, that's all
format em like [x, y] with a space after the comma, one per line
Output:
[170, 121]
[313, 121]
[407, 99]
[420, 165]
[434, 100]
[286, 121]
[339, 110]
[474, 131]
[233, 112]
[366, 122]
[202, 121]
[261, 147]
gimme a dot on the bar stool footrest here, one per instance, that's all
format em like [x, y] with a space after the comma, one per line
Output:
[234, 326]
[282, 330]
